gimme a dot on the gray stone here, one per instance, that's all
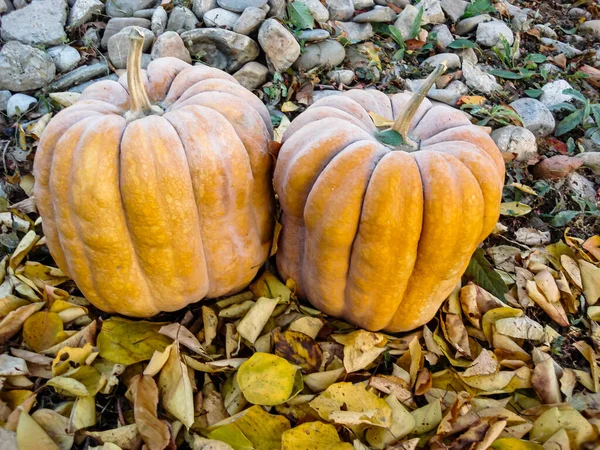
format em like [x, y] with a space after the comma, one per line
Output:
[78, 76]
[126, 8]
[449, 95]
[340, 9]
[145, 13]
[452, 60]
[249, 21]
[41, 22]
[377, 14]
[406, 20]
[444, 36]
[550, 68]
[201, 7]
[562, 47]
[19, 4]
[518, 141]
[469, 24]
[467, 54]
[170, 44]
[159, 21]
[81, 87]
[317, 10]
[252, 75]
[240, 5]
[91, 38]
[553, 93]
[24, 68]
[65, 57]
[315, 35]
[345, 77]
[277, 8]
[327, 54]
[117, 24]
[546, 31]
[536, 117]
[489, 33]
[591, 28]
[454, 8]
[19, 104]
[355, 32]
[432, 12]
[363, 4]
[478, 79]
[181, 19]
[82, 11]
[581, 186]
[4, 96]
[398, 3]
[578, 13]
[220, 48]
[280, 46]
[119, 44]
[223, 18]
[3, 6]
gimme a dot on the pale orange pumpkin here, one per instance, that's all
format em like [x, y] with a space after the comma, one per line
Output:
[153, 201]
[376, 235]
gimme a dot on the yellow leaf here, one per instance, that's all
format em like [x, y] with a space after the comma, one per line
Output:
[577, 427]
[144, 395]
[289, 107]
[31, 436]
[403, 422]
[252, 428]
[268, 285]
[65, 98]
[267, 379]
[179, 333]
[15, 397]
[126, 437]
[524, 188]
[319, 381]
[298, 349]
[489, 319]
[380, 121]
[590, 276]
[40, 331]
[55, 426]
[256, 318]
[427, 418]
[349, 404]
[69, 357]
[361, 348]
[592, 245]
[83, 414]
[83, 381]
[23, 248]
[307, 325]
[514, 209]
[477, 100]
[128, 342]
[176, 388]
[313, 435]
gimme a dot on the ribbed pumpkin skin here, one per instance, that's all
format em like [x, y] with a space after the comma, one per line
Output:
[376, 236]
[157, 213]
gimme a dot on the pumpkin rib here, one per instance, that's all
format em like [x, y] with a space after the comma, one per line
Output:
[107, 91]
[385, 249]
[161, 212]
[160, 75]
[306, 153]
[187, 78]
[331, 218]
[347, 105]
[438, 119]
[449, 235]
[227, 214]
[400, 101]
[367, 98]
[290, 250]
[246, 122]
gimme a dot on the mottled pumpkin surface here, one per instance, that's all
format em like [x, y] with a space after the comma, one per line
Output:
[378, 236]
[153, 214]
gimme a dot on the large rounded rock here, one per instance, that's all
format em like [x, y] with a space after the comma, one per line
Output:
[19, 104]
[240, 5]
[82, 11]
[220, 48]
[518, 141]
[119, 44]
[126, 8]
[181, 19]
[317, 10]
[117, 24]
[327, 54]
[490, 33]
[249, 21]
[201, 7]
[41, 22]
[65, 57]
[253, 75]
[23, 68]
[279, 45]
[222, 18]
[340, 9]
[170, 44]
[536, 117]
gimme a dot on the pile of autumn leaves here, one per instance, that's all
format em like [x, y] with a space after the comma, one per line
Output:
[261, 371]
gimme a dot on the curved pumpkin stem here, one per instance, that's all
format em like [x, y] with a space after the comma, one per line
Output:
[402, 122]
[140, 103]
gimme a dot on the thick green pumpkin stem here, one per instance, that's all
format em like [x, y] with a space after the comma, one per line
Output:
[402, 122]
[140, 103]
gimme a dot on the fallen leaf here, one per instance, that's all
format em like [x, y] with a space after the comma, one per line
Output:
[256, 318]
[319, 381]
[592, 245]
[144, 396]
[11, 366]
[299, 349]
[403, 422]
[83, 381]
[55, 426]
[12, 323]
[361, 348]
[267, 379]
[485, 364]
[268, 285]
[31, 436]
[427, 418]
[176, 388]
[477, 100]
[520, 328]
[182, 335]
[590, 277]
[125, 437]
[69, 358]
[313, 435]
[211, 323]
[577, 427]
[514, 209]
[24, 247]
[545, 382]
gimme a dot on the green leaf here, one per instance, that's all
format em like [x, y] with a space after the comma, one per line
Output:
[390, 137]
[458, 44]
[535, 58]
[562, 105]
[414, 31]
[563, 218]
[569, 123]
[477, 7]
[507, 74]
[535, 93]
[399, 55]
[300, 15]
[396, 35]
[482, 273]
[578, 95]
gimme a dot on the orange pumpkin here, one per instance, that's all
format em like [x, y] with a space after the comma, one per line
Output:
[151, 201]
[376, 235]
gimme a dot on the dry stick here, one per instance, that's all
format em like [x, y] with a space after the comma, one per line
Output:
[140, 103]
[402, 122]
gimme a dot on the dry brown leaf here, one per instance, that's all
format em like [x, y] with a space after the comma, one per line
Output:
[181, 334]
[554, 310]
[12, 323]
[55, 426]
[256, 318]
[361, 348]
[545, 382]
[592, 245]
[125, 437]
[571, 268]
[211, 323]
[176, 388]
[298, 349]
[590, 277]
[457, 335]
[144, 396]
[389, 384]
[485, 364]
